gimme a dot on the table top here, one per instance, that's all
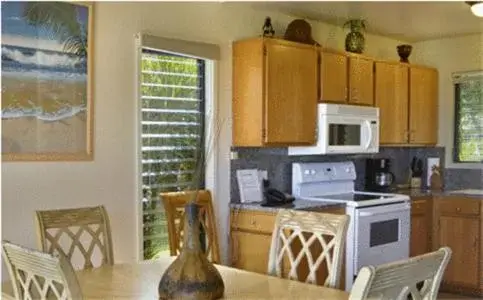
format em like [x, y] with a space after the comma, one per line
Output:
[140, 281]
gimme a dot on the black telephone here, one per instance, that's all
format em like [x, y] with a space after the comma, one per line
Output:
[275, 197]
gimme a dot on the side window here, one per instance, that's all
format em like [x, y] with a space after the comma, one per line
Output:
[172, 135]
[468, 130]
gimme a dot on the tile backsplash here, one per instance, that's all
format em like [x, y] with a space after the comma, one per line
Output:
[455, 179]
[279, 164]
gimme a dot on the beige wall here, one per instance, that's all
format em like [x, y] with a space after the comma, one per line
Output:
[110, 179]
[464, 53]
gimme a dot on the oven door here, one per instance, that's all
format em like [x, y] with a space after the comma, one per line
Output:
[381, 234]
[346, 134]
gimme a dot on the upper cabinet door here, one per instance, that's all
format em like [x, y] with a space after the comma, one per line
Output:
[392, 98]
[361, 81]
[423, 105]
[291, 93]
[333, 77]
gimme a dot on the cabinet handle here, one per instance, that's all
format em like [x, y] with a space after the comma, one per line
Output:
[458, 209]
[475, 242]
[354, 94]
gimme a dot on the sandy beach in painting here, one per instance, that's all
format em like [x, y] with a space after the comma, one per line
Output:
[30, 135]
[43, 115]
[43, 108]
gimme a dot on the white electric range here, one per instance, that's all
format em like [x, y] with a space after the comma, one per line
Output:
[379, 225]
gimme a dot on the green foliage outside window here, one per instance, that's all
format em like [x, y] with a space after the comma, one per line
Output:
[172, 96]
[469, 121]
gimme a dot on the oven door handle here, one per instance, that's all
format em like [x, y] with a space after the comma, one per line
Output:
[368, 214]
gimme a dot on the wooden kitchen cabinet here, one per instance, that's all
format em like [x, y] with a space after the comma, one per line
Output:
[421, 226]
[333, 77]
[250, 251]
[460, 227]
[251, 236]
[407, 99]
[392, 97]
[361, 80]
[346, 78]
[423, 105]
[275, 92]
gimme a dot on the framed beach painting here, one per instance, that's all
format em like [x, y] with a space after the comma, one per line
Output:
[46, 80]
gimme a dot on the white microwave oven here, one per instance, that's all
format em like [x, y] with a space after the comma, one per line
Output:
[343, 129]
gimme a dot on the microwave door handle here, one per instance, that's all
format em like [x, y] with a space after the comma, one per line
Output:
[369, 140]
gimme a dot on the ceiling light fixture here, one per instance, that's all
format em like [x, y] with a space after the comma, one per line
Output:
[476, 8]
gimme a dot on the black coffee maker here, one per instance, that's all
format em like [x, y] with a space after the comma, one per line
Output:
[379, 177]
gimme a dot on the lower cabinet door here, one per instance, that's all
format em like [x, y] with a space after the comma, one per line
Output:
[420, 242]
[461, 234]
[250, 251]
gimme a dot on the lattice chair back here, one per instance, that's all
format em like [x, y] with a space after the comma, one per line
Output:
[39, 275]
[399, 279]
[174, 204]
[83, 235]
[297, 238]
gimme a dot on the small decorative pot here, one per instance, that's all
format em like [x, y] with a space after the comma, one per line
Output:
[191, 275]
[355, 41]
[404, 51]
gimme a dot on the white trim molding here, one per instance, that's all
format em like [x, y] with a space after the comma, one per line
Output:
[188, 48]
[459, 77]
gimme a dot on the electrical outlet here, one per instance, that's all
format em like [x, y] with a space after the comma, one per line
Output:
[233, 155]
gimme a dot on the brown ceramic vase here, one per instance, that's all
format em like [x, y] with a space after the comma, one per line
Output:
[404, 51]
[191, 275]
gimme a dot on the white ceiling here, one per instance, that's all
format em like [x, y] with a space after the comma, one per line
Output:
[405, 20]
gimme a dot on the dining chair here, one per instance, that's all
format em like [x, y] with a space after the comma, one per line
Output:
[296, 239]
[398, 280]
[82, 234]
[174, 204]
[40, 275]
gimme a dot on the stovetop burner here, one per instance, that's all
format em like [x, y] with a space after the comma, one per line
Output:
[353, 197]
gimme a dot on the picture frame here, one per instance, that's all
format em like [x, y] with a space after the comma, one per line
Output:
[47, 81]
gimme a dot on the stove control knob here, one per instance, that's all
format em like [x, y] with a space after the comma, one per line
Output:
[312, 172]
[306, 172]
[348, 170]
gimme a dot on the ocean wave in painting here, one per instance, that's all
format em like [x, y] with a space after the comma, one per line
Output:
[42, 64]
[38, 113]
[40, 57]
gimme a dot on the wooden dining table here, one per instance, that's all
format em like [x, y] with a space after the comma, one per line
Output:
[140, 281]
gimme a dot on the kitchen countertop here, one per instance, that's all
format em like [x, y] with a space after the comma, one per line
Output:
[425, 192]
[298, 204]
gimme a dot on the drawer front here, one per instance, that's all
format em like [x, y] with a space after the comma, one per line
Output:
[455, 205]
[253, 221]
[419, 207]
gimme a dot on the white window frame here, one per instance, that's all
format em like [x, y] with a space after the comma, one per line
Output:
[208, 52]
[458, 77]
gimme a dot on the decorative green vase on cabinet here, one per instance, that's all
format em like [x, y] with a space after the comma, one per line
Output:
[354, 41]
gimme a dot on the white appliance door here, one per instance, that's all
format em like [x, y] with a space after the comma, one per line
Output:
[344, 134]
[381, 234]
